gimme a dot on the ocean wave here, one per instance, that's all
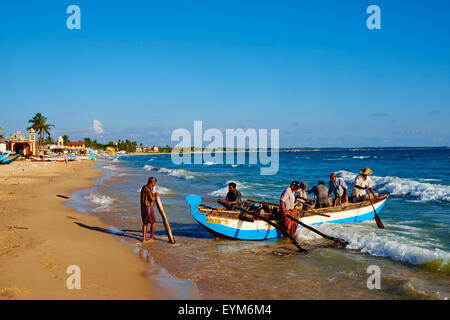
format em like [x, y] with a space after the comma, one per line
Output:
[365, 157]
[222, 192]
[161, 190]
[387, 244]
[209, 163]
[112, 167]
[179, 173]
[102, 200]
[402, 186]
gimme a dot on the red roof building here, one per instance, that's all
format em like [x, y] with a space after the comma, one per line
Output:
[76, 144]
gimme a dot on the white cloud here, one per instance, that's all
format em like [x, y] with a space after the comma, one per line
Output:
[97, 127]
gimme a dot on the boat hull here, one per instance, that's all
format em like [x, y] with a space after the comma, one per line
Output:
[229, 228]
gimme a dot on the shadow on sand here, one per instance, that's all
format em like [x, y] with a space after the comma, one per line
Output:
[178, 229]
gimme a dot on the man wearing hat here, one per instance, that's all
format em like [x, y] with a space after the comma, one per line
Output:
[362, 183]
[302, 198]
[287, 203]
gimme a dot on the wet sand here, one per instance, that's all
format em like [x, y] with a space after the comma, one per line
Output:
[40, 237]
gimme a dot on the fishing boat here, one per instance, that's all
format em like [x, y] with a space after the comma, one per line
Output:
[8, 161]
[5, 155]
[233, 224]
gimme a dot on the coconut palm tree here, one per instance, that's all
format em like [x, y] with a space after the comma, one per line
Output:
[66, 139]
[1, 136]
[40, 125]
[49, 140]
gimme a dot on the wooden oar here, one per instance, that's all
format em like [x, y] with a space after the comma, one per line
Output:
[165, 221]
[277, 205]
[377, 218]
[337, 240]
[276, 226]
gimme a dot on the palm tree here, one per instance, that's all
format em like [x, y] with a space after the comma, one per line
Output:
[49, 140]
[1, 136]
[40, 125]
[66, 139]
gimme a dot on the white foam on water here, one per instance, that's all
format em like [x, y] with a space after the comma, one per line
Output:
[403, 186]
[102, 200]
[365, 157]
[222, 192]
[125, 174]
[179, 173]
[160, 190]
[387, 244]
[111, 167]
[429, 179]
[209, 163]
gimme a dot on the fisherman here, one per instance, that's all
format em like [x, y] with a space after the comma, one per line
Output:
[233, 198]
[287, 203]
[363, 183]
[321, 193]
[148, 198]
[302, 198]
[339, 188]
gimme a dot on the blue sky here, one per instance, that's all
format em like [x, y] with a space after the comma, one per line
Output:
[309, 68]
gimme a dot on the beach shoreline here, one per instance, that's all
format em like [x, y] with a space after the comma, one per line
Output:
[40, 238]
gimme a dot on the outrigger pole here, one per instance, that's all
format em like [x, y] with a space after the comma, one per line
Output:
[339, 241]
[276, 226]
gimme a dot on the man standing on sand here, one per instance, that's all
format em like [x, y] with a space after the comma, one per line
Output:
[287, 203]
[147, 200]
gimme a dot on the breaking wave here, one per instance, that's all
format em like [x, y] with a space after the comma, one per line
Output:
[103, 201]
[387, 244]
[111, 167]
[402, 186]
[161, 190]
[365, 157]
[179, 173]
[222, 192]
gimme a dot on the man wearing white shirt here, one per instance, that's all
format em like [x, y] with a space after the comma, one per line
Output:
[362, 184]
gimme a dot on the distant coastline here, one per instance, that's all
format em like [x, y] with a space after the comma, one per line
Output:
[309, 149]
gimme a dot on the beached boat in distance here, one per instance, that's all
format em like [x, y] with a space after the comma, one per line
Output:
[231, 224]
[9, 160]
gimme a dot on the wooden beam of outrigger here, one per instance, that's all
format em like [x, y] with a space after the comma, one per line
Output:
[341, 242]
[273, 224]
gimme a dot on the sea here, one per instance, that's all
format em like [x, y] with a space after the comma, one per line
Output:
[411, 255]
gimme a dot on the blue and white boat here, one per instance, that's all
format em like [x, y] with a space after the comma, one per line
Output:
[227, 224]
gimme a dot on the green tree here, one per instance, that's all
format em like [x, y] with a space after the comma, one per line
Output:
[49, 140]
[1, 136]
[88, 142]
[66, 139]
[40, 125]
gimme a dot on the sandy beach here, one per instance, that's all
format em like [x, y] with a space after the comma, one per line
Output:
[40, 237]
